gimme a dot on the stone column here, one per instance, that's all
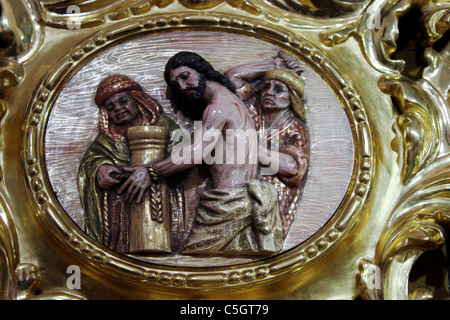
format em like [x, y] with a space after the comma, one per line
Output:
[150, 219]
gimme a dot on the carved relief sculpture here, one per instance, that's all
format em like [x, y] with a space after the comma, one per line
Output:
[112, 178]
[126, 206]
[223, 149]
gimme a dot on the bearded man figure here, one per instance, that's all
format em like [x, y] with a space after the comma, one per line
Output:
[107, 184]
[238, 214]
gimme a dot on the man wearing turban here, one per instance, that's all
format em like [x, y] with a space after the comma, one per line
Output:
[279, 113]
[107, 183]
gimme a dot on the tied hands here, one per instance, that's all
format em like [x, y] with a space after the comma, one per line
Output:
[283, 60]
[137, 181]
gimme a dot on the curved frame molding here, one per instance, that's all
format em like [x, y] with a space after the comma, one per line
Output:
[396, 208]
[57, 222]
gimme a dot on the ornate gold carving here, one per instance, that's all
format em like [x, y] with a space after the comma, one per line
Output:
[148, 143]
[54, 219]
[420, 214]
[8, 248]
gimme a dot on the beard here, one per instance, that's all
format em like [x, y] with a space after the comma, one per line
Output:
[192, 105]
[196, 95]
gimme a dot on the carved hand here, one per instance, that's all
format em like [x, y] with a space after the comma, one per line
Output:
[278, 62]
[289, 62]
[136, 184]
[104, 179]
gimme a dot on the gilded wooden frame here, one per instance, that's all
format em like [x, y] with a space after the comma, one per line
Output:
[395, 209]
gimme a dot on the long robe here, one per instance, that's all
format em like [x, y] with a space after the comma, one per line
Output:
[107, 212]
[109, 229]
[293, 139]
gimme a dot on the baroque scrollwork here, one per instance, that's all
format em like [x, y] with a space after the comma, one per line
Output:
[350, 211]
[8, 252]
[85, 14]
[418, 211]
[377, 30]
[418, 220]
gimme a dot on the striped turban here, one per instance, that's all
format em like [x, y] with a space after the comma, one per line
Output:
[117, 83]
[296, 89]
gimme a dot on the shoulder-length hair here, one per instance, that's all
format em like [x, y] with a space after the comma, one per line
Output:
[198, 63]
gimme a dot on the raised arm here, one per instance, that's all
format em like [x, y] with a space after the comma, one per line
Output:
[246, 73]
[243, 75]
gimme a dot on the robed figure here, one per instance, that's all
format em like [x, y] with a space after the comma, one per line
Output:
[107, 183]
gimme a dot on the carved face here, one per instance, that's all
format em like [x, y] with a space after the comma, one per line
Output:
[121, 108]
[188, 81]
[275, 95]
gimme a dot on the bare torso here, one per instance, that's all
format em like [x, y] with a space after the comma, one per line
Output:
[225, 114]
[229, 114]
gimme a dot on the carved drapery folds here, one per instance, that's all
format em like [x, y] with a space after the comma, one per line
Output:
[412, 153]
